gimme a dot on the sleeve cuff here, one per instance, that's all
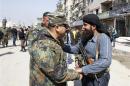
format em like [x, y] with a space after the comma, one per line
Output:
[84, 70]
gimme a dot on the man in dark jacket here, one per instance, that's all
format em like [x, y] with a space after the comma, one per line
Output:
[14, 35]
[1, 36]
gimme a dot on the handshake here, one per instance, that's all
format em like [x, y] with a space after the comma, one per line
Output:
[79, 64]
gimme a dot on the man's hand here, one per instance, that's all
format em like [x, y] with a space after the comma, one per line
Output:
[79, 70]
[81, 76]
[76, 64]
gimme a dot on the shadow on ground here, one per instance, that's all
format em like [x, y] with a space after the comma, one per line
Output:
[8, 46]
[6, 53]
[125, 43]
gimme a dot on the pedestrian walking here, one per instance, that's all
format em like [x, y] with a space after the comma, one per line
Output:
[5, 37]
[22, 39]
[26, 35]
[14, 35]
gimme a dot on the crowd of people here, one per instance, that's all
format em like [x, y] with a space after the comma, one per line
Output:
[14, 33]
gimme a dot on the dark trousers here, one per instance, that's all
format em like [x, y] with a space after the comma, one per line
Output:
[23, 45]
[14, 40]
[102, 81]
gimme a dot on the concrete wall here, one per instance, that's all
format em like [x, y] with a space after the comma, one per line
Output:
[94, 5]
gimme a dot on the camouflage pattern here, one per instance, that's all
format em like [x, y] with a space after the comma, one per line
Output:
[48, 61]
[32, 34]
[54, 18]
[4, 40]
[1, 35]
[57, 18]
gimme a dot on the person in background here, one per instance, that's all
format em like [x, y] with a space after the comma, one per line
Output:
[14, 35]
[26, 35]
[22, 39]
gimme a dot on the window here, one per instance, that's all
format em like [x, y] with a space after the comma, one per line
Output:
[97, 11]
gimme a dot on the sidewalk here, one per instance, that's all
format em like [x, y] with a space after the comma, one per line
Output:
[122, 44]
[120, 67]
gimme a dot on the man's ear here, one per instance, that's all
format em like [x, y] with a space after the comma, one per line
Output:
[56, 28]
[93, 27]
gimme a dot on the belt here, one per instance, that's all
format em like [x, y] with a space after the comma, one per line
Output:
[99, 74]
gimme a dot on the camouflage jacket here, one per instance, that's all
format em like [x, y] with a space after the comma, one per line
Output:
[5, 31]
[48, 62]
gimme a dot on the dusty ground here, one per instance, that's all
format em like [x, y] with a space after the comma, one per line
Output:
[14, 68]
[122, 57]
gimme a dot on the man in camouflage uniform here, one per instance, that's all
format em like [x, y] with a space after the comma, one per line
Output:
[5, 33]
[5, 37]
[48, 62]
[1, 35]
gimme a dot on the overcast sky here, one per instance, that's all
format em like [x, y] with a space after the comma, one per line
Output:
[25, 11]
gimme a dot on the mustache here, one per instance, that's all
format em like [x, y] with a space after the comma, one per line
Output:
[85, 32]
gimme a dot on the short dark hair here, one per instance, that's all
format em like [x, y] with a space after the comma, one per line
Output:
[45, 14]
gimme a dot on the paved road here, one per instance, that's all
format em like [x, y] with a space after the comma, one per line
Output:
[14, 69]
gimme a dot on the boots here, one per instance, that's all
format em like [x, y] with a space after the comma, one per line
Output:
[23, 49]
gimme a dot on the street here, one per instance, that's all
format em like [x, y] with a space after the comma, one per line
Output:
[14, 68]
[84, 23]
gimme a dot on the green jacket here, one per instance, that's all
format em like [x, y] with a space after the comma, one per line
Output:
[48, 65]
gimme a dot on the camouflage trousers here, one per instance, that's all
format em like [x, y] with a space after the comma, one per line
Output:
[4, 41]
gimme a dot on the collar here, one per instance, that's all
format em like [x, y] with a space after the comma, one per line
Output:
[93, 39]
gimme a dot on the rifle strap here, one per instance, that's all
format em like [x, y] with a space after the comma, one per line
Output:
[97, 47]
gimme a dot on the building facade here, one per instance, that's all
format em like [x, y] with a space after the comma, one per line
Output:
[74, 9]
[114, 13]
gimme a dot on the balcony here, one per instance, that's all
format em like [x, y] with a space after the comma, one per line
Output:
[106, 5]
[124, 6]
[106, 1]
[104, 15]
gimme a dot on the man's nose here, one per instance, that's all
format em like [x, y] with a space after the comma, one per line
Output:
[83, 28]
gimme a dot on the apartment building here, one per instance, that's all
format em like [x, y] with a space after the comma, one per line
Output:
[114, 13]
[74, 9]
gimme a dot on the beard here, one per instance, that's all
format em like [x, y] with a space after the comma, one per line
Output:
[86, 35]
